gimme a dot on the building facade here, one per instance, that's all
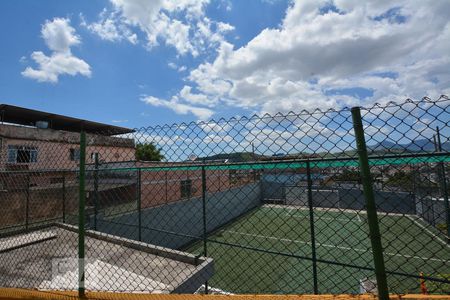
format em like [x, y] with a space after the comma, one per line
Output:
[37, 147]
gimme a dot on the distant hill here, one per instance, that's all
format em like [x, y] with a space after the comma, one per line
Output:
[233, 157]
[414, 146]
[422, 145]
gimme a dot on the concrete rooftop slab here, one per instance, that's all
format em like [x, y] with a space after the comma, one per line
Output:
[112, 264]
[14, 242]
[115, 279]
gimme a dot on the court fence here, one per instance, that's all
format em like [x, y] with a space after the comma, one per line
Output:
[337, 201]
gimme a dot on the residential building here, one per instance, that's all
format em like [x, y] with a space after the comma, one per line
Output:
[42, 142]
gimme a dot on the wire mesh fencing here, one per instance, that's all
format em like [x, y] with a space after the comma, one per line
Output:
[291, 203]
[38, 186]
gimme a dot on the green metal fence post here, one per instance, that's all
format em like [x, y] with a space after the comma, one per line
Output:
[64, 198]
[81, 216]
[27, 204]
[166, 187]
[96, 165]
[311, 225]
[443, 181]
[205, 249]
[439, 175]
[375, 236]
[138, 194]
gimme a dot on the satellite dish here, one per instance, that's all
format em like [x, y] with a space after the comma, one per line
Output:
[192, 157]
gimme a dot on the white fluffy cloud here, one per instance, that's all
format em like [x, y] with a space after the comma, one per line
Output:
[179, 24]
[59, 37]
[108, 28]
[179, 108]
[324, 53]
[324, 50]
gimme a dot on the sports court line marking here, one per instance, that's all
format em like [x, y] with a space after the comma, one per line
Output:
[328, 209]
[359, 218]
[316, 218]
[427, 230]
[334, 246]
[294, 214]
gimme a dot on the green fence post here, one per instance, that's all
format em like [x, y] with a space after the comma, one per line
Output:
[27, 204]
[205, 249]
[96, 164]
[64, 198]
[443, 184]
[311, 225]
[375, 236]
[166, 188]
[81, 215]
[138, 194]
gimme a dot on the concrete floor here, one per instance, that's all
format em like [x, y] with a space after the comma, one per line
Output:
[112, 264]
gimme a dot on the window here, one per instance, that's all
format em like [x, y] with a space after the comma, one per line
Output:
[74, 154]
[94, 156]
[186, 188]
[22, 154]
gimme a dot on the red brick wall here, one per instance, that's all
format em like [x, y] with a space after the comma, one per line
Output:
[160, 187]
[55, 155]
[43, 204]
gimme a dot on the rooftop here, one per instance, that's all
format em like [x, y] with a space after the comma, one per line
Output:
[29, 117]
[46, 259]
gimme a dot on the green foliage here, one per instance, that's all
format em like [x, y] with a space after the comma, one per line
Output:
[442, 227]
[348, 175]
[438, 287]
[402, 180]
[407, 182]
[148, 152]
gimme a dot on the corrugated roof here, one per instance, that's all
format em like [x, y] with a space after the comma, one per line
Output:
[24, 116]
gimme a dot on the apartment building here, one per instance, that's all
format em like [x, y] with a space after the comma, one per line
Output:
[42, 142]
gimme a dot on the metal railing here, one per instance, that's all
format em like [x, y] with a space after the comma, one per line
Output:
[338, 201]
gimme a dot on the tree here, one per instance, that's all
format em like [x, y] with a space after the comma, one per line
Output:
[348, 175]
[148, 152]
[409, 181]
[401, 179]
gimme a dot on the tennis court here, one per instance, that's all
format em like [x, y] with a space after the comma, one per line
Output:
[269, 250]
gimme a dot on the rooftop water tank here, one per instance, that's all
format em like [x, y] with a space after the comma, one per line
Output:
[42, 124]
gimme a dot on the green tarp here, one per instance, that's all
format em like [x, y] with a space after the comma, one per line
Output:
[328, 163]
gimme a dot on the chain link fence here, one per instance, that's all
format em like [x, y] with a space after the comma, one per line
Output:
[292, 203]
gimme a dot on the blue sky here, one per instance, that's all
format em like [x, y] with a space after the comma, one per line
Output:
[121, 72]
[136, 63]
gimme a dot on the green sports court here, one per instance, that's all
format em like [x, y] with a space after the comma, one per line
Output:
[269, 250]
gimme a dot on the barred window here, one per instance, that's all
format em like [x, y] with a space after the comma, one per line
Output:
[22, 154]
[186, 188]
[74, 154]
